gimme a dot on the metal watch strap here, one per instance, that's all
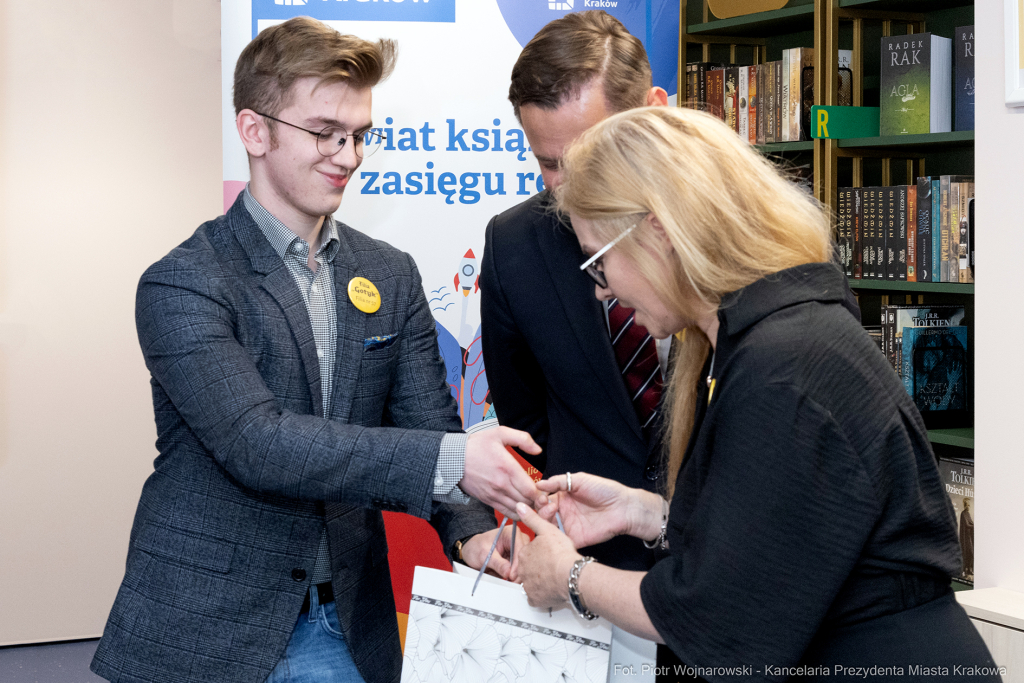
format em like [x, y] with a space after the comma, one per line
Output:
[575, 599]
[660, 542]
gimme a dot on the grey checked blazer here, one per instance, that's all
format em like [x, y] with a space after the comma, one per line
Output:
[226, 532]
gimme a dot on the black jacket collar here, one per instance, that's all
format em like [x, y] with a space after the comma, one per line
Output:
[822, 282]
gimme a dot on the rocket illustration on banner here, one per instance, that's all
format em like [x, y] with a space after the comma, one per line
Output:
[470, 273]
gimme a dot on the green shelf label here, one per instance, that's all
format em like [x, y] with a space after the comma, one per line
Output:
[844, 122]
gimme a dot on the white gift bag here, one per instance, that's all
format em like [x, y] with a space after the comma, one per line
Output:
[494, 636]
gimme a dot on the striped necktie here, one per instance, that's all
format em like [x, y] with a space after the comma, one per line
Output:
[637, 354]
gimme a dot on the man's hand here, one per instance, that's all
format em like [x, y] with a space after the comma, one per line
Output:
[476, 548]
[493, 476]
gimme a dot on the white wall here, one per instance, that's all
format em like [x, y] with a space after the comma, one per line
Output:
[999, 300]
[110, 154]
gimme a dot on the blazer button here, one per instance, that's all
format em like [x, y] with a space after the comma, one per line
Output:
[298, 574]
[652, 472]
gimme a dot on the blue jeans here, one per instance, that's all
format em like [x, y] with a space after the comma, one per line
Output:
[316, 652]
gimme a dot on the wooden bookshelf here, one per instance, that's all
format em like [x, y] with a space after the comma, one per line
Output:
[962, 437]
[963, 138]
[786, 20]
[775, 147]
[916, 287]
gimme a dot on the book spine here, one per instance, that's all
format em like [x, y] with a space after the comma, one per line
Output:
[857, 196]
[879, 235]
[924, 229]
[784, 89]
[806, 92]
[730, 98]
[847, 231]
[939, 56]
[762, 100]
[936, 231]
[890, 330]
[964, 82]
[907, 367]
[779, 118]
[743, 103]
[889, 237]
[795, 65]
[966, 194]
[870, 231]
[885, 331]
[954, 231]
[900, 271]
[944, 229]
[753, 101]
[716, 92]
[911, 233]
[702, 85]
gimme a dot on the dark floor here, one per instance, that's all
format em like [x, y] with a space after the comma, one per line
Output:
[51, 663]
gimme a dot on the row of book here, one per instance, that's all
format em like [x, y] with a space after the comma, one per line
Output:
[920, 86]
[912, 233]
[763, 103]
[927, 346]
[921, 83]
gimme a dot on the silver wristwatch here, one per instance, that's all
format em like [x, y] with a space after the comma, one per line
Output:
[574, 588]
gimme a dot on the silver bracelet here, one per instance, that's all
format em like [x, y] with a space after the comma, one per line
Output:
[660, 542]
[575, 599]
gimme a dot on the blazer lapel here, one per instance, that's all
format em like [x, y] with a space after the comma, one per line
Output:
[278, 283]
[351, 331]
[586, 316]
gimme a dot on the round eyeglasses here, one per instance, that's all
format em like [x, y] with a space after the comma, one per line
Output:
[332, 139]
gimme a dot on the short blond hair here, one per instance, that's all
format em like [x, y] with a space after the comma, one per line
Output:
[305, 48]
[730, 215]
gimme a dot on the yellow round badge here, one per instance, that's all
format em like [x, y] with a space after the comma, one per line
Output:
[363, 294]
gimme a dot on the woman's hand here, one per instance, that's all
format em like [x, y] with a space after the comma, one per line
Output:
[544, 565]
[598, 509]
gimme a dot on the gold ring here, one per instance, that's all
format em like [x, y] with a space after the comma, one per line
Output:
[568, 482]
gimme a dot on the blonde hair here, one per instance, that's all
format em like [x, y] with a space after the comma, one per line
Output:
[301, 48]
[729, 214]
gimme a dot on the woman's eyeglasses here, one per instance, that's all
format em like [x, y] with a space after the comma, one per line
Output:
[591, 265]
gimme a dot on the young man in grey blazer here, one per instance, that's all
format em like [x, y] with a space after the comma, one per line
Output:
[298, 391]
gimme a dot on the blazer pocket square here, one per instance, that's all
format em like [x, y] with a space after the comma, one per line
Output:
[381, 342]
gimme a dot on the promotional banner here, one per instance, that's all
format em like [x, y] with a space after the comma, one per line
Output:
[455, 156]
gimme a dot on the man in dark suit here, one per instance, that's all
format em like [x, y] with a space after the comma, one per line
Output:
[547, 341]
[298, 391]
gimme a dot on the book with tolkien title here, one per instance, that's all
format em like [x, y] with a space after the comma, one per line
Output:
[958, 480]
[963, 85]
[914, 92]
[934, 372]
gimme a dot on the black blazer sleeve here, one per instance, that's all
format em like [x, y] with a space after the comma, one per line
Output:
[514, 375]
